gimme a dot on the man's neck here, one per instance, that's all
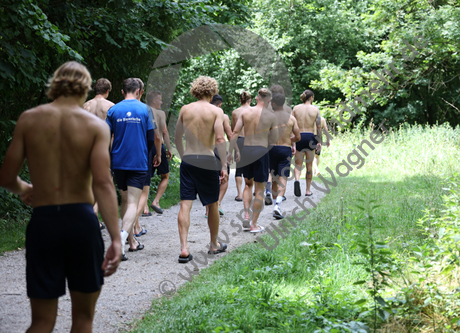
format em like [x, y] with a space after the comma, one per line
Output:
[206, 99]
[70, 100]
[130, 96]
[101, 96]
[261, 104]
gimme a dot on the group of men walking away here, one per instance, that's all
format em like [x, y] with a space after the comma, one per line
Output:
[73, 154]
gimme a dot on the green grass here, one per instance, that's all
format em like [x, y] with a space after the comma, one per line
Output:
[306, 283]
[13, 233]
[172, 194]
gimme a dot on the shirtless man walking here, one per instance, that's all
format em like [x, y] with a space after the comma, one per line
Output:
[281, 152]
[200, 170]
[275, 89]
[68, 157]
[217, 100]
[245, 100]
[259, 129]
[154, 100]
[307, 116]
[99, 106]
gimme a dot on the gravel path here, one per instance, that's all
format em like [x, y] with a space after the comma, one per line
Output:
[128, 293]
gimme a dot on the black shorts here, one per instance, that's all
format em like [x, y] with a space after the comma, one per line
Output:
[307, 142]
[239, 165]
[127, 178]
[195, 179]
[63, 242]
[257, 163]
[280, 160]
[163, 168]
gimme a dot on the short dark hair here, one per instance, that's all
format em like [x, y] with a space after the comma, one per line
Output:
[277, 89]
[131, 85]
[141, 84]
[278, 99]
[101, 86]
[306, 95]
[152, 95]
[216, 100]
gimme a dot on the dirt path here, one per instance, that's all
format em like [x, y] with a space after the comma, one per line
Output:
[128, 293]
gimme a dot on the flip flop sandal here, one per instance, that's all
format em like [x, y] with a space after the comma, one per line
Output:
[138, 248]
[222, 248]
[246, 225]
[221, 212]
[309, 195]
[145, 215]
[297, 188]
[238, 199]
[184, 260]
[143, 232]
[258, 230]
[157, 209]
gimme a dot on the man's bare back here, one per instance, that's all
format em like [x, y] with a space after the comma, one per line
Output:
[98, 106]
[288, 125]
[202, 124]
[60, 153]
[306, 115]
[258, 122]
[235, 114]
[286, 108]
[160, 119]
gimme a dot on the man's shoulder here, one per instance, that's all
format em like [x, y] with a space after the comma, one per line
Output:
[237, 110]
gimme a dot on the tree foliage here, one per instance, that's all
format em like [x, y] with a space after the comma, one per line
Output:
[114, 39]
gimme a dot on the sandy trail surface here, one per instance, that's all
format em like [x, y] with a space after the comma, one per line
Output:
[128, 293]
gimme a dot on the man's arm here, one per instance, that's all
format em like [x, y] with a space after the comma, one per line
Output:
[234, 137]
[179, 134]
[105, 196]
[319, 136]
[167, 142]
[273, 135]
[295, 131]
[12, 164]
[221, 146]
[234, 120]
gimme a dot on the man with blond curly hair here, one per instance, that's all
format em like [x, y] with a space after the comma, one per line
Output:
[200, 170]
[68, 157]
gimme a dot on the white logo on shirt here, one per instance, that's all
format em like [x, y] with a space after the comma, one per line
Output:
[128, 114]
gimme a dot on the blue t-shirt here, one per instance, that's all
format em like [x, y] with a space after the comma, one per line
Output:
[129, 121]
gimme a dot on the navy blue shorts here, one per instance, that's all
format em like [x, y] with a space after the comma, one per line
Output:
[280, 160]
[63, 242]
[256, 163]
[163, 168]
[200, 174]
[239, 165]
[220, 165]
[307, 142]
[125, 178]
